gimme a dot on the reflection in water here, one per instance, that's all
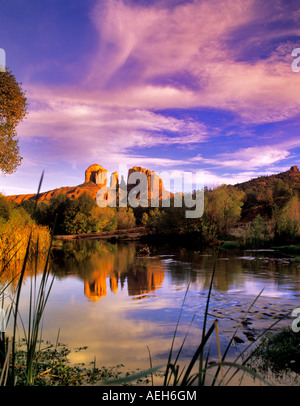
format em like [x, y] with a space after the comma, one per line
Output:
[105, 267]
[100, 264]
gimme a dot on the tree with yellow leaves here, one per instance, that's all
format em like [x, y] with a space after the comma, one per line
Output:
[223, 207]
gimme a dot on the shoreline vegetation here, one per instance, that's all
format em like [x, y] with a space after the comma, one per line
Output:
[260, 213]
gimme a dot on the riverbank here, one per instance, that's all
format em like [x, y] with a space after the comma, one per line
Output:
[130, 234]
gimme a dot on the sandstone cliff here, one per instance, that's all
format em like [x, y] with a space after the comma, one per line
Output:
[95, 178]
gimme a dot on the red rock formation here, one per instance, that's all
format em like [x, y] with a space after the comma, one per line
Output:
[95, 178]
[155, 183]
[292, 177]
[96, 174]
[295, 169]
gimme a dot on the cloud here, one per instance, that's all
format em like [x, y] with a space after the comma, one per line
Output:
[83, 130]
[212, 179]
[192, 56]
[248, 158]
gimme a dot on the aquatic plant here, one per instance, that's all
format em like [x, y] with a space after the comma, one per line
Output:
[279, 352]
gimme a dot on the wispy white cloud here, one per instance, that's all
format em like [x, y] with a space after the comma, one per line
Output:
[146, 53]
[249, 158]
[81, 130]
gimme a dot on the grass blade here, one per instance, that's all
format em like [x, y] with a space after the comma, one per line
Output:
[202, 378]
[166, 381]
[196, 355]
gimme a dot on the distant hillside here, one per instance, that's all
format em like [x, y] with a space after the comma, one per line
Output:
[291, 177]
[264, 192]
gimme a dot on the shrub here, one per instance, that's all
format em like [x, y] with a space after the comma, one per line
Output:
[103, 219]
[286, 220]
[224, 207]
[279, 351]
[125, 218]
[257, 233]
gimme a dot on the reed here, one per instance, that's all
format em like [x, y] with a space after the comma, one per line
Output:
[39, 293]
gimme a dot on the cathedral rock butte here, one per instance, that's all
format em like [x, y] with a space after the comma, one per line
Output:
[96, 178]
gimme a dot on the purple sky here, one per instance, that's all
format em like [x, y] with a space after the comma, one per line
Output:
[203, 85]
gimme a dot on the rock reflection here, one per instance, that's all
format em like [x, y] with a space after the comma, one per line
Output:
[107, 269]
[104, 266]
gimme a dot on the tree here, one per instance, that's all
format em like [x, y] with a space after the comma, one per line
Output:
[13, 109]
[286, 220]
[223, 207]
[125, 218]
[103, 219]
[77, 214]
[257, 232]
[282, 192]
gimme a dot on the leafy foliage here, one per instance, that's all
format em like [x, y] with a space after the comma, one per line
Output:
[224, 207]
[125, 218]
[279, 351]
[80, 215]
[15, 227]
[13, 109]
[76, 215]
[103, 218]
[257, 232]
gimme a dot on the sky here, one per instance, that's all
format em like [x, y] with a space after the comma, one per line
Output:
[185, 85]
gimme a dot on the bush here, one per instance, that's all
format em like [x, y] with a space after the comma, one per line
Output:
[286, 220]
[125, 218]
[279, 351]
[15, 228]
[257, 233]
[103, 219]
[223, 207]
[77, 215]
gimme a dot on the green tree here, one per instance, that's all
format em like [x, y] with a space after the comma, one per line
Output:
[13, 109]
[55, 213]
[282, 193]
[172, 220]
[103, 219]
[77, 215]
[286, 220]
[223, 207]
[257, 232]
[154, 220]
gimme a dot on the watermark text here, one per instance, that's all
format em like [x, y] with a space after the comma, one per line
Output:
[2, 60]
[142, 189]
[296, 62]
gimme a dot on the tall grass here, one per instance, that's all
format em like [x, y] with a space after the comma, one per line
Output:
[40, 287]
[14, 240]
